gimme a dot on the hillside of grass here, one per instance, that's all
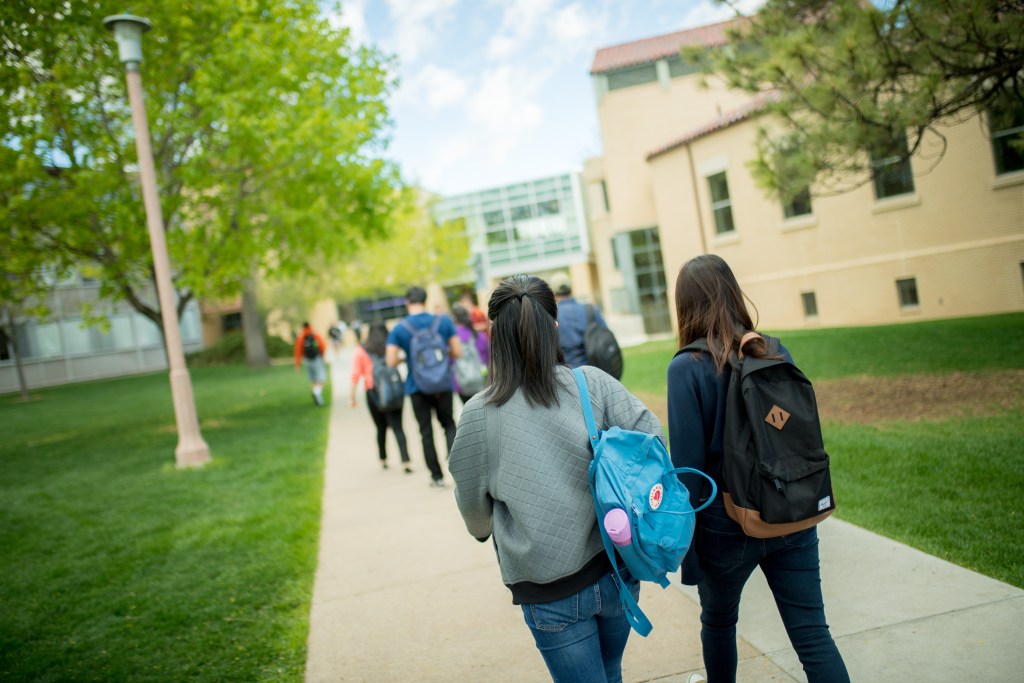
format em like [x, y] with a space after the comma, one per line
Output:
[119, 567]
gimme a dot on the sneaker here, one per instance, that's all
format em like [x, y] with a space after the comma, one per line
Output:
[384, 464]
[319, 400]
[437, 483]
[408, 470]
[696, 678]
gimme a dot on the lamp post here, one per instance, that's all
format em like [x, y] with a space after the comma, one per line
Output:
[191, 450]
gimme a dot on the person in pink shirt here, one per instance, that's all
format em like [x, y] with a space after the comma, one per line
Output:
[363, 359]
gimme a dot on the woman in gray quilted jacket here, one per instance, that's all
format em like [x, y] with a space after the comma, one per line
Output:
[520, 463]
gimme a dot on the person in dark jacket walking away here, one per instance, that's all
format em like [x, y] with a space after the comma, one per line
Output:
[572, 322]
[710, 306]
[520, 464]
[438, 401]
[363, 359]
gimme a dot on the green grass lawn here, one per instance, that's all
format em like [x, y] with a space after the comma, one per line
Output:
[117, 566]
[951, 487]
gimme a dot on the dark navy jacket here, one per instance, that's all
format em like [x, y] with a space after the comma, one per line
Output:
[572, 322]
[696, 424]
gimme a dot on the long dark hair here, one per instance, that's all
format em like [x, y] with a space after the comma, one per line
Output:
[461, 316]
[711, 305]
[524, 341]
[376, 339]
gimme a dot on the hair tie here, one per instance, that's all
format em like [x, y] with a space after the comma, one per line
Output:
[520, 295]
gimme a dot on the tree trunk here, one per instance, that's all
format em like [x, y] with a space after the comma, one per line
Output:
[22, 384]
[252, 327]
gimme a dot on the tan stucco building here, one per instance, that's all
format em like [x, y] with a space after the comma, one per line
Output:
[909, 244]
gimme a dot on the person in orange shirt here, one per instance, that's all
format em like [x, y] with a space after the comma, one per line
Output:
[476, 314]
[363, 359]
[310, 349]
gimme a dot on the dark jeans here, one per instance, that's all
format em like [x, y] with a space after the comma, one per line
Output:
[441, 404]
[582, 637]
[393, 420]
[790, 564]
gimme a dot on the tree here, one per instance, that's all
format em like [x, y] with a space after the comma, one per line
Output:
[266, 125]
[417, 251]
[846, 77]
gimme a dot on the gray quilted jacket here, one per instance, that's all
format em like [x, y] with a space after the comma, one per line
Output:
[521, 474]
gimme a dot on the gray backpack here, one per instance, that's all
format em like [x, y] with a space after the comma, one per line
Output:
[470, 372]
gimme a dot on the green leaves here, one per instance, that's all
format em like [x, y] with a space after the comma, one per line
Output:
[266, 124]
[850, 75]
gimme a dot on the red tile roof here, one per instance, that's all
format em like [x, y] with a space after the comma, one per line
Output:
[727, 119]
[652, 49]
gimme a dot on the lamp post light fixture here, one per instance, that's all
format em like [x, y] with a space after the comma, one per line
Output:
[191, 449]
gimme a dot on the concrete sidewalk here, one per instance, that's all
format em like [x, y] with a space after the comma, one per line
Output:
[403, 593]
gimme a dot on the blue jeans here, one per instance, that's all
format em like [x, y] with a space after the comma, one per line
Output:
[790, 564]
[582, 637]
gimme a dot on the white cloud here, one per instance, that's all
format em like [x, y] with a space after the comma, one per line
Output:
[520, 23]
[417, 23]
[445, 155]
[434, 87]
[504, 109]
[352, 17]
[710, 12]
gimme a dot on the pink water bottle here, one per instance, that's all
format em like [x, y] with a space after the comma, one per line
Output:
[616, 523]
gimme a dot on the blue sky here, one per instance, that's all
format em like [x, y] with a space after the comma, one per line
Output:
[497, 91]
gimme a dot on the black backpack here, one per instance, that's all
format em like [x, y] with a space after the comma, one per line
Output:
[601, 346]
[310, 349]
[775, 471]
[388, 386]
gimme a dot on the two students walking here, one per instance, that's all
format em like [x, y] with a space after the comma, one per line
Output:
[520, 462]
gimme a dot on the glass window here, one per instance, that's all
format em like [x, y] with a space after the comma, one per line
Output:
[39, 340]
[604, 195]
[810, 304]
[1006, 121]
[721, 205]
[148, 333]
[890, 166]
[680, 67]
[799, 205]
[637, 75]
[520, 213]
[548, 208]
[907, 290]
[494, 218]
[497, 237]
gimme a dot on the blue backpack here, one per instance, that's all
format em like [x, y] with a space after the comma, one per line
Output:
[428, 358]
[632, 473]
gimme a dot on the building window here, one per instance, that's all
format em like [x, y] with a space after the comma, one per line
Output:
[548, 208]
[494, 218]
[604, 195]
[907, 290]
[721, 205]
[522, 213]
[799, 205]
[637, 75]
[229, 322]
[649, 277]
[1006, 121]
[810, 304]
[890, 168]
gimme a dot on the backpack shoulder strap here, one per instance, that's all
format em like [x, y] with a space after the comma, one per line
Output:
[588, 413]
[409, 326]
[631, 609]
[435, 324]
[589, 308]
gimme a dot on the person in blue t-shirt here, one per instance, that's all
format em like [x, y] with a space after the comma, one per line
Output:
[572, 322]
[400, 338]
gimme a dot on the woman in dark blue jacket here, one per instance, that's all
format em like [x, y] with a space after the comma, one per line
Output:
[710, 305]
